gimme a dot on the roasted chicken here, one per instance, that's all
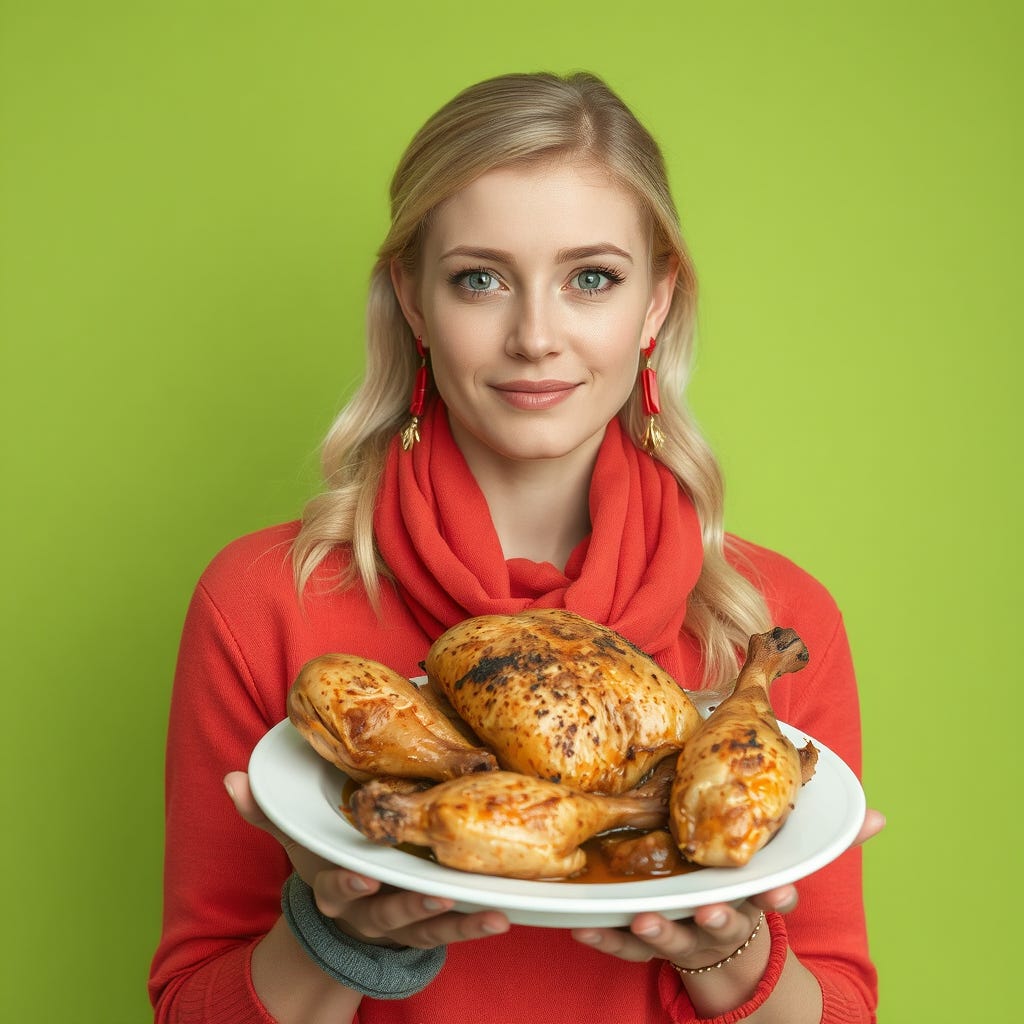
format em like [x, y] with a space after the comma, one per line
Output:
[558, 697]
[737, 778]
[500, 823]
[370, 721]
[646, 854]
[544, 729]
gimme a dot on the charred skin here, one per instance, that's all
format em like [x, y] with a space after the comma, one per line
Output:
[370, 721]
[737, 778]
[558, 697]
[500, 823]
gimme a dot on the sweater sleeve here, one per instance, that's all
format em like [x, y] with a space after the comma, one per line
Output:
[827, 931]
[222, 877]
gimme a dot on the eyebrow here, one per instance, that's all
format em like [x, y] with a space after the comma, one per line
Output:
[580, 252]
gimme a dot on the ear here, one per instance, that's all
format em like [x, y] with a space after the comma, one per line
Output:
[407, 292]
[662, 290]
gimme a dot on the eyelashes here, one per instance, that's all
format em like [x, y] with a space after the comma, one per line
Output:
[462, 279]
[613, 276]
[477, 281]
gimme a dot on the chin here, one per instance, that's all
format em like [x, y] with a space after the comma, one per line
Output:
[549, 449]
[527, 439]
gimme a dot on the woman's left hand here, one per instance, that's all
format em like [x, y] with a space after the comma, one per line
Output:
[711, 934]
[714, 931]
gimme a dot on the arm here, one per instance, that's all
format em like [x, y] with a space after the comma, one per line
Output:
[226, 956]
[813, 965]
[222, 881]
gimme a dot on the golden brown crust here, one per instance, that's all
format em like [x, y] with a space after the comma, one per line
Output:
[559, 697]
[370, 721]
[499, 823]
[737, 778]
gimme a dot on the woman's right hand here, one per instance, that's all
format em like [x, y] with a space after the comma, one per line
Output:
[360, 905]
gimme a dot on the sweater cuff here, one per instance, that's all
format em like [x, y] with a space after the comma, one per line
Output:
[836, 1005]
[220, 990]
[677, 1001]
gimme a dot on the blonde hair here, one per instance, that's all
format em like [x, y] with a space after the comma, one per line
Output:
[502, 121]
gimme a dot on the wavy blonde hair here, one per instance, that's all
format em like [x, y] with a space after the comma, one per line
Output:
[508, 120]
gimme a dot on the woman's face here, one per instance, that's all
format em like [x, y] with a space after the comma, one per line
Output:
[534, 295]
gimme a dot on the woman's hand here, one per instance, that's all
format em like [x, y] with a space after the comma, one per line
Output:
[714, 931]
[360, 905]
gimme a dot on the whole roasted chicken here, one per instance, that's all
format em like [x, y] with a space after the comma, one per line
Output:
[500, 823]
[559, 697]
[370, 721]
[737, 778]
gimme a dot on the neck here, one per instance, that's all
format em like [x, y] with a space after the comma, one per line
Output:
[540, 508]
[541, 518]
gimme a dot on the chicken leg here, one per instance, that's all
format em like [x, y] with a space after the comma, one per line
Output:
[737, 777]
[500, 823]
[369, 721]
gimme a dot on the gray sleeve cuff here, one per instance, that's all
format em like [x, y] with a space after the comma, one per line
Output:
[377, 971]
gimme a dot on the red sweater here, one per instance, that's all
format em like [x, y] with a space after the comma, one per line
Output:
[245, 638]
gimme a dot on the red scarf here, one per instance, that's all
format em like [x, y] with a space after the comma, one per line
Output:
[633, 572]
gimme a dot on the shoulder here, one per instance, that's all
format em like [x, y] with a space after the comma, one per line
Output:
[822, 699]
[795, 598]
[248, 593]
[253, 579]
[785, 585]
[263, 556]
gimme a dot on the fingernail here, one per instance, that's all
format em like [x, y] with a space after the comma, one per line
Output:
[493, 929]
[227, 786]
[590, 938]
[432, 904]
[357, 884]
[716, 920]
[650, 932]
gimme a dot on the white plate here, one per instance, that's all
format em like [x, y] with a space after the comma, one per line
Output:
[301, 793]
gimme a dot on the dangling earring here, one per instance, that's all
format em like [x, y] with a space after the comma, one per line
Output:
[411, 433]
[653, 438]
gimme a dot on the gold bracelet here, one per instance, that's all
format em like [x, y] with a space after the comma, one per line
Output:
[732, 956]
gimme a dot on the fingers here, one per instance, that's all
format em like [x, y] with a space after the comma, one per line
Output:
[358, 904]
[713, 932]
[237, 785]
[306, 863]
[781, 900]
[410, 919]
[874, 822]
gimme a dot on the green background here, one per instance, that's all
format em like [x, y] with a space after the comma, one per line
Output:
[190, 197]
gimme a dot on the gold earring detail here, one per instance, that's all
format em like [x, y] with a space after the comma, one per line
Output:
[411, 433]
[653, 437]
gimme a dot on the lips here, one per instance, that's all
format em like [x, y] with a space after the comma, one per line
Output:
[535, 387]
[534, 394]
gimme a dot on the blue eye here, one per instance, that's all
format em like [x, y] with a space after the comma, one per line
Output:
[590, 280]
[478, 281]
[597, 279]
[475, 281]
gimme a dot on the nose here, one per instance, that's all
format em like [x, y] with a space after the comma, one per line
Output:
[535, 332]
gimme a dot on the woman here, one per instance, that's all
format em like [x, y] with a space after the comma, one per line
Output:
[535, 264]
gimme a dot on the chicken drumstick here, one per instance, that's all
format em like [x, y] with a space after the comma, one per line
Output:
[500, 823]
[737, 778]
[370, 721]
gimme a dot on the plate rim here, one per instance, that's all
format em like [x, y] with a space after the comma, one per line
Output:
[333, 837]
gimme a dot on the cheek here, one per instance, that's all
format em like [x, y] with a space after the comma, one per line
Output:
[462, 327]
[453, 368]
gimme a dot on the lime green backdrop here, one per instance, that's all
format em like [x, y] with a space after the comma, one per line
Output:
[190, 197]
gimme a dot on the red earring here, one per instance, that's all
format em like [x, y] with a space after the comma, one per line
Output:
[653, 438]
[411, 433]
